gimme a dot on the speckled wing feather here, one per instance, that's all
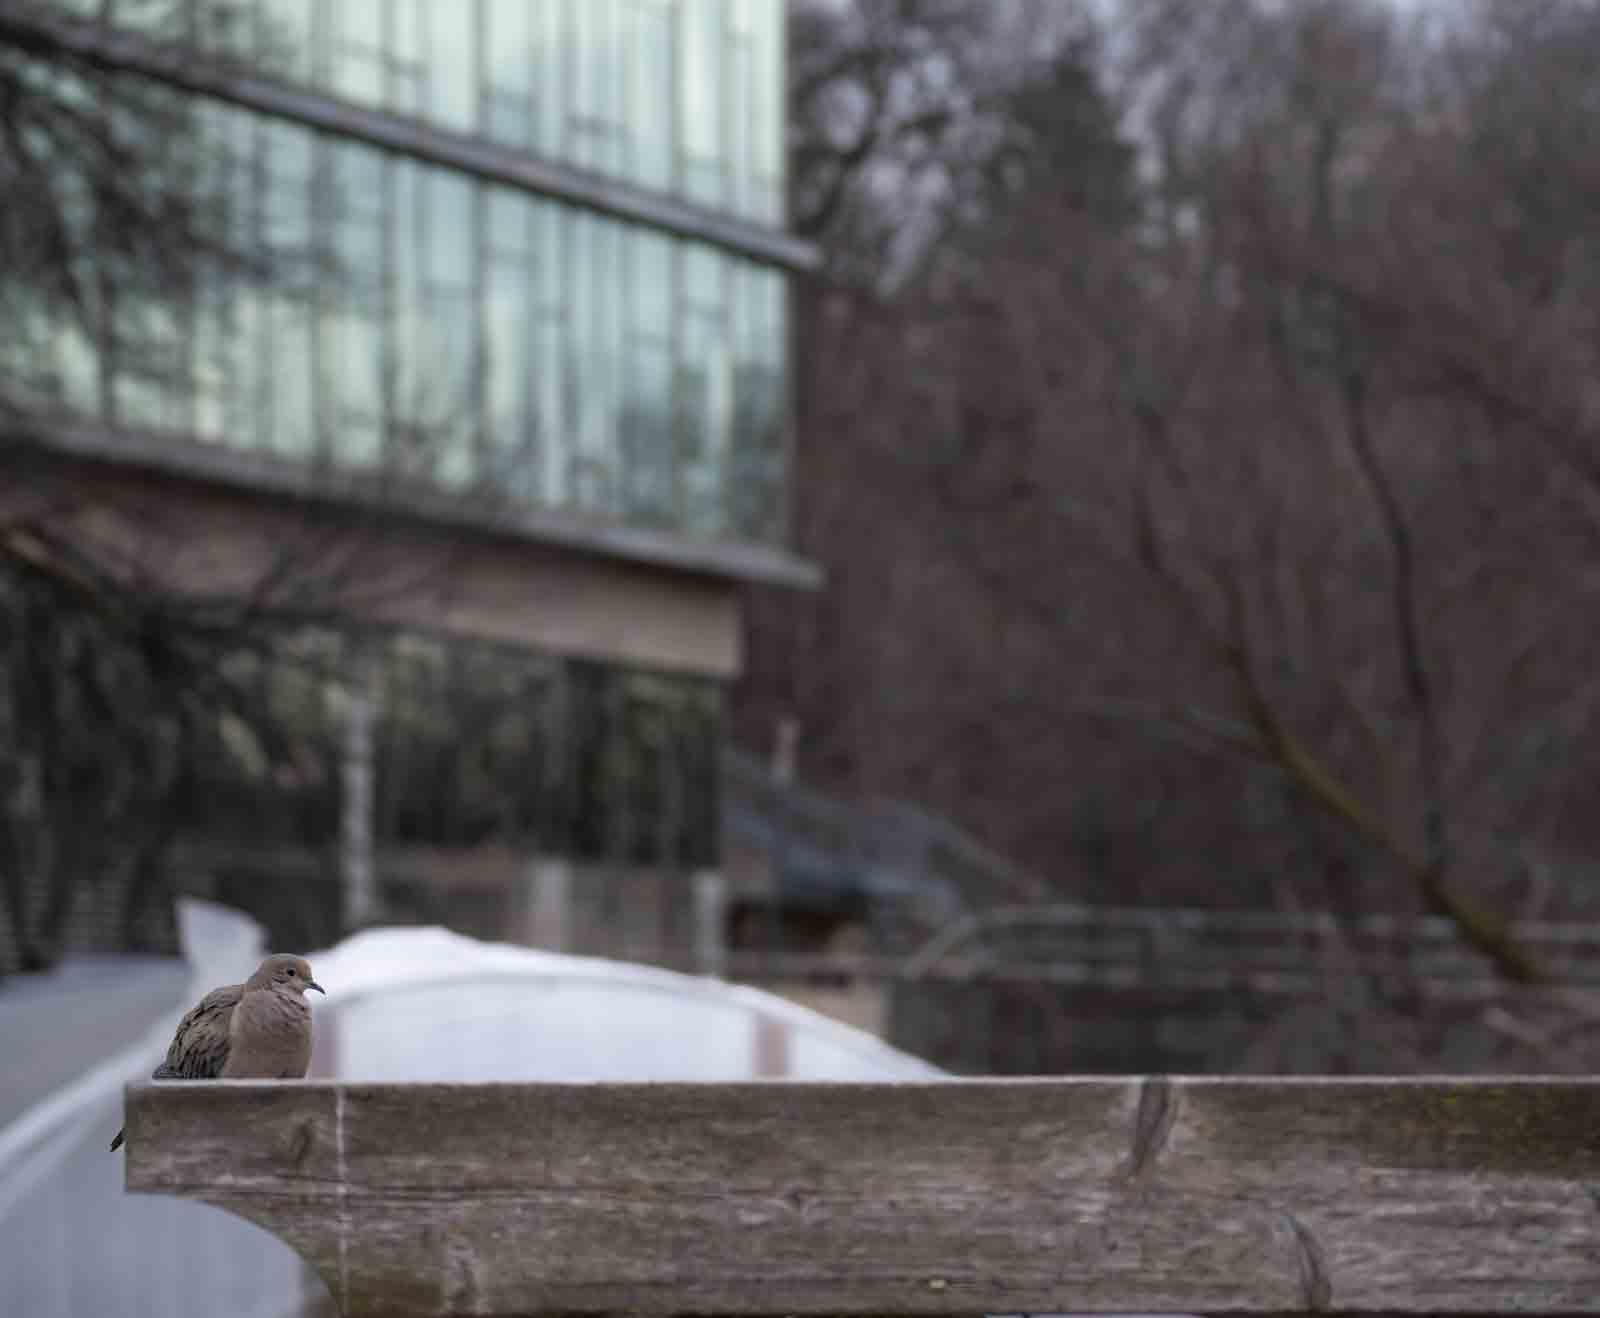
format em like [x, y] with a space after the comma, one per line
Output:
[200, 1046]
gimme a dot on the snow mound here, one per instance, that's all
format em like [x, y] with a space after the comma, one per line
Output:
[429, 1004]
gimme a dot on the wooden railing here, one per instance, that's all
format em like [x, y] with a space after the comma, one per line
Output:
[1183, 1195]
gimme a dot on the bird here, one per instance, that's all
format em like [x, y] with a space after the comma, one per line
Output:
[258, 1030]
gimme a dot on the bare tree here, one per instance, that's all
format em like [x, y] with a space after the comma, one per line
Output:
[1290, 469]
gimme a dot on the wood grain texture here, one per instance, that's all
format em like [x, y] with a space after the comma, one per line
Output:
[1263, 1196]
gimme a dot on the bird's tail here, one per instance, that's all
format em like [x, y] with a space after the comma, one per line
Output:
[117, 1143]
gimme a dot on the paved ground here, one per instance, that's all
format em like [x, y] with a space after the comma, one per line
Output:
[54, 1027]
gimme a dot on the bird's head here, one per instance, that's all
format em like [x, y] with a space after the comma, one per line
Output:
[282, 971]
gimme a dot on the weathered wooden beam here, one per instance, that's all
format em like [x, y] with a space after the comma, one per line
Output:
[1196, 1195]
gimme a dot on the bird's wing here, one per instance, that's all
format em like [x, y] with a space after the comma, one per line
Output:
[200, 1046]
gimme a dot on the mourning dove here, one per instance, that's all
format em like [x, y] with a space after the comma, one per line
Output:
[258, 1030]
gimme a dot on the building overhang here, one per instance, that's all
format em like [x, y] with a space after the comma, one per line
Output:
[480, 513]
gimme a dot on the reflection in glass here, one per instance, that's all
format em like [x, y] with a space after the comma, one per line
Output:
[226, 30]
[739, 120]
[766, 102]
[645, 436]
[293, 377]
[451, 62]
[77, 367]
[357, 50]
[508, 329]
[450, 246]
[652, 286]
[239, 353]
[407, 57]
[684, 96]
[356, 204]
[508, 69]
[550, 79]
[461, 332]
[755, 480]
[699, 103]
[285, 38]
[508, 350]
[650, 94]
[287, 151]
[594, 128]
[352, 384]
[448, 386]
[593, 322]
[509, 220]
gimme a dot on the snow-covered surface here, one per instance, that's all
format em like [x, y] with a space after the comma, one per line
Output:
[428, 1004]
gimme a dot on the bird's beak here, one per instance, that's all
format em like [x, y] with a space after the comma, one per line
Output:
[312, 984]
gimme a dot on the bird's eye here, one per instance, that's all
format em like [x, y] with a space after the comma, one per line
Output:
[293, 971]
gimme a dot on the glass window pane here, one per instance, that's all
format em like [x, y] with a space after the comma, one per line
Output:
[552, 388]
[357, 190]
[161, 20]
[593, 323]
[405, 311]
[702, 278]
[360, 24]
[77, 364]
[449, 229]
[358, 354]
[226, 28]
[737, 145]
[446, 370]
[650, 95]
[452, 63]
[141, 401]
[767, 98]
[289, 153]
[595, 127]
[357, 50]
[703, 390]
[284, 38]
[406, 223]
[756, 474]
[293, 418]
[352, 386]
[508, 322]
[552, 225]
[407, 56]
[241, 353]
[452, 343]
[509, 223]
[508, 68]
[700, 100]
[437, 340]
[550, 72]
[652, 285]
[646, 437]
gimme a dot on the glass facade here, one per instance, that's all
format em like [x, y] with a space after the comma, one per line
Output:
[423, 321]
[679, 96]
[476, 744]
